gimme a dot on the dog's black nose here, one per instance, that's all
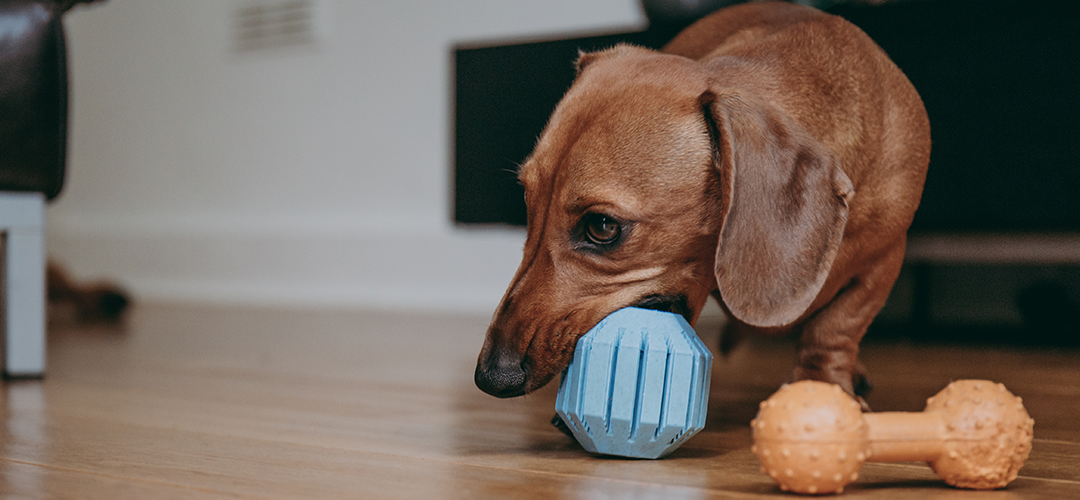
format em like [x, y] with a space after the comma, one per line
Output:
[501, 375]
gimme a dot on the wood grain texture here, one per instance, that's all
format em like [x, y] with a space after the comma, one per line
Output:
[203, 402]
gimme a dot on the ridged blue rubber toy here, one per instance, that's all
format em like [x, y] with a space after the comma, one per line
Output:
[638, 385]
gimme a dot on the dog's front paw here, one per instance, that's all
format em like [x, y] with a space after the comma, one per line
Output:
[857, 384]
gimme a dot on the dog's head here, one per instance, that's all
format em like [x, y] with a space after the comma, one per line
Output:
[652, 186]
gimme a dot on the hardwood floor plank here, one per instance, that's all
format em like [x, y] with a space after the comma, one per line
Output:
[22, 480]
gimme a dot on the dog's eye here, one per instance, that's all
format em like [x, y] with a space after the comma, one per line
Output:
[601, 229]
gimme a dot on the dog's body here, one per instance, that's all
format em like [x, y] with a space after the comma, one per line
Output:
[772, 156]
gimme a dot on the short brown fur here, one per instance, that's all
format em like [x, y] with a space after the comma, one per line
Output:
[771, 156]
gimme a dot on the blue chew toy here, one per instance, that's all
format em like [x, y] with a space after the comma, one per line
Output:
[638, 385]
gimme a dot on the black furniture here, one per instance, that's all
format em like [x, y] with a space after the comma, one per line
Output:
[33, 140]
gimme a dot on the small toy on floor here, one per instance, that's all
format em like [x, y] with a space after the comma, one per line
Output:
[811, 437]
[638, 385]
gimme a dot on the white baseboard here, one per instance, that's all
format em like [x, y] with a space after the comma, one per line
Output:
[292, 263]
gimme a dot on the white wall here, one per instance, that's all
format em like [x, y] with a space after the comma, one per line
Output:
[312, 176]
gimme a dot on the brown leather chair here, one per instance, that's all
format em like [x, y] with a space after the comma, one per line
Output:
[33, 140]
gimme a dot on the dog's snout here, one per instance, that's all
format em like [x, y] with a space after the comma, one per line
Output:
[501, 375]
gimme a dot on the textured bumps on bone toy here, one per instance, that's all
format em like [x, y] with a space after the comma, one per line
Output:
[811, 437]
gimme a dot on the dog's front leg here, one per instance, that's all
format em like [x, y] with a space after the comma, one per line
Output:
[829, 342]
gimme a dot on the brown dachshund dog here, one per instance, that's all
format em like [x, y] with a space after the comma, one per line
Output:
[771, 156]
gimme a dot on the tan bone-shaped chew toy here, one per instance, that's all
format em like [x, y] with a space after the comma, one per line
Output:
[811, 437]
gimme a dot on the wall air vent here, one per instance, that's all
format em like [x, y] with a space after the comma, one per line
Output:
[273, 24]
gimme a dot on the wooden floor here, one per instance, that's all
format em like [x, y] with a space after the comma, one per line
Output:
[202, 402]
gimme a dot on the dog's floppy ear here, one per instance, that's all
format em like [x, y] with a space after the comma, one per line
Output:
[584, 59]
[587, 58]
[784, 206]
